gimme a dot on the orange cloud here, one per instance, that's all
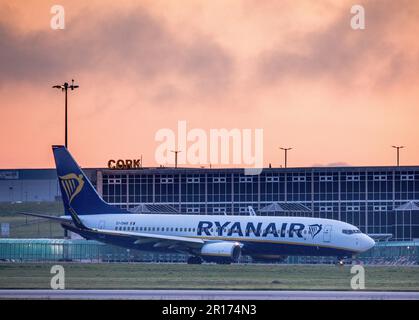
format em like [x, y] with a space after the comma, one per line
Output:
[295, 69]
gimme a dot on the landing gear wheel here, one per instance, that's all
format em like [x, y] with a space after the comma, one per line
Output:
[194, 260]
[340, 262]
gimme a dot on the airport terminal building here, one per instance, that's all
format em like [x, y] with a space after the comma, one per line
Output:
[379, 200]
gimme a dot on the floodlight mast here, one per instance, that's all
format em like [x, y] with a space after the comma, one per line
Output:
[64, 87]
[398, 153]
[285, 150]
[175, 152]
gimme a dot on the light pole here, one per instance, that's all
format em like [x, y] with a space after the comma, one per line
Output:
[64, 87]
[285, 150]
[398, 149]
[176, 152]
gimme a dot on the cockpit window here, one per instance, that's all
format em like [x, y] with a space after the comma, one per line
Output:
[351, 231]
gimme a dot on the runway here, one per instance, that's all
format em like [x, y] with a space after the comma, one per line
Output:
[205, 295]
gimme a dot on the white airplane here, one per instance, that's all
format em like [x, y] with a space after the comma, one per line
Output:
[220, 239]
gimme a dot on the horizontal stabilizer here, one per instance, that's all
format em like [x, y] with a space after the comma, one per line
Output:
[45, 216]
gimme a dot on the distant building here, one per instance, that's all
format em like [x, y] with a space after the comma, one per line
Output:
[30, 185]
[379, 200]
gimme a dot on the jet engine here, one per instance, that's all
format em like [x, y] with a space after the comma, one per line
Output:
[221, 252]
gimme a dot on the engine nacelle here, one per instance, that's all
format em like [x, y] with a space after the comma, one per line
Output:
[222, 252]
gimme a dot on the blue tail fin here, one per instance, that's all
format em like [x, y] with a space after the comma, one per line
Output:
[76, 190]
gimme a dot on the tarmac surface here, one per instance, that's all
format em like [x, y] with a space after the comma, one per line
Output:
[205, 295]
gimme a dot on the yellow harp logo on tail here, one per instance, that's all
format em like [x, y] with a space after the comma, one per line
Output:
[72, 185]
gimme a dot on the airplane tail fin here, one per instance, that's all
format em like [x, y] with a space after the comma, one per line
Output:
[78, 194]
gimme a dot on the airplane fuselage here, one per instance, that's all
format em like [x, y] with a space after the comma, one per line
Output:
[260, 236]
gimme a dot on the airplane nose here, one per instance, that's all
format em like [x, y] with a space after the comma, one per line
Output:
[367, 243]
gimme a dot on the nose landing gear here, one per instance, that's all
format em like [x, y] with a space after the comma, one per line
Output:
[340, 262]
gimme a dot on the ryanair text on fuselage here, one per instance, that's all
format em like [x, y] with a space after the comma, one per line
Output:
[208, 228]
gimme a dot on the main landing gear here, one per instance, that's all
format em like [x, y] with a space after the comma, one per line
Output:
[194, 260]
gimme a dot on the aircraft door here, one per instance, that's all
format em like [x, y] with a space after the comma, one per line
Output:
[327, 233]
[101, 224]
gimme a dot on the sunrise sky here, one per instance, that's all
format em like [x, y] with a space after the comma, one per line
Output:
[297, 69]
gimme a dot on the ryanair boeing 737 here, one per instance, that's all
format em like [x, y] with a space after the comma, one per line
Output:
[221, 239]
